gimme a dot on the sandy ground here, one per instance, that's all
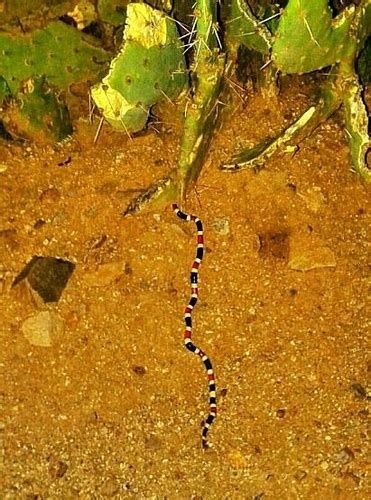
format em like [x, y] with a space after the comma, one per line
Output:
[113, 408]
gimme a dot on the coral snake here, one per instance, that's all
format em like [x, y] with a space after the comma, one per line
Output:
[188, 321]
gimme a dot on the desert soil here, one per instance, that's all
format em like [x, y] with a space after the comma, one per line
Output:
[113, 407]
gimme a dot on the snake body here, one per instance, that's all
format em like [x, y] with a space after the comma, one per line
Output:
[188, 322]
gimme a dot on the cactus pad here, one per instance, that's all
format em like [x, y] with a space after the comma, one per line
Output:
[149, 68]
[246, 29]
[112, 11]
[36, 113]
[58, 51]
[308, 38]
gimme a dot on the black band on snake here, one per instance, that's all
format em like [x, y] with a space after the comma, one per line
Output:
[188, 322]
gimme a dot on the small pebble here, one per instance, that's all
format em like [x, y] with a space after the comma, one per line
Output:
[58, 469]
[221, 225]
[39, 223]
[93, 417]
[300, 475]
[359, 391]
[51, 194]
[139, 370]
[345, 455]
[128, 270]
[280, 413]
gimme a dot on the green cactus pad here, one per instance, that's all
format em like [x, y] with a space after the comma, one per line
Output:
[308, 38]
[112, 11]
[37, 114]
[118, 112]
[149, 68]
[244, 28]
[58, 51]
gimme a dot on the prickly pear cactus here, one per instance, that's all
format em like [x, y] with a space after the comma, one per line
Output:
[16, 11]
[308, 38]
[246, 29]
[36, 113]
[4, 91]
[58, 51]
[149, 68]
[112, 11]
[201, 115]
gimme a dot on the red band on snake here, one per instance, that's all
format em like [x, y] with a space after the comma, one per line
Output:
[188, 321]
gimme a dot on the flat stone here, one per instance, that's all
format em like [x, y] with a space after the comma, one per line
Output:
[43, 328]
[305, 259]
[47, 276]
